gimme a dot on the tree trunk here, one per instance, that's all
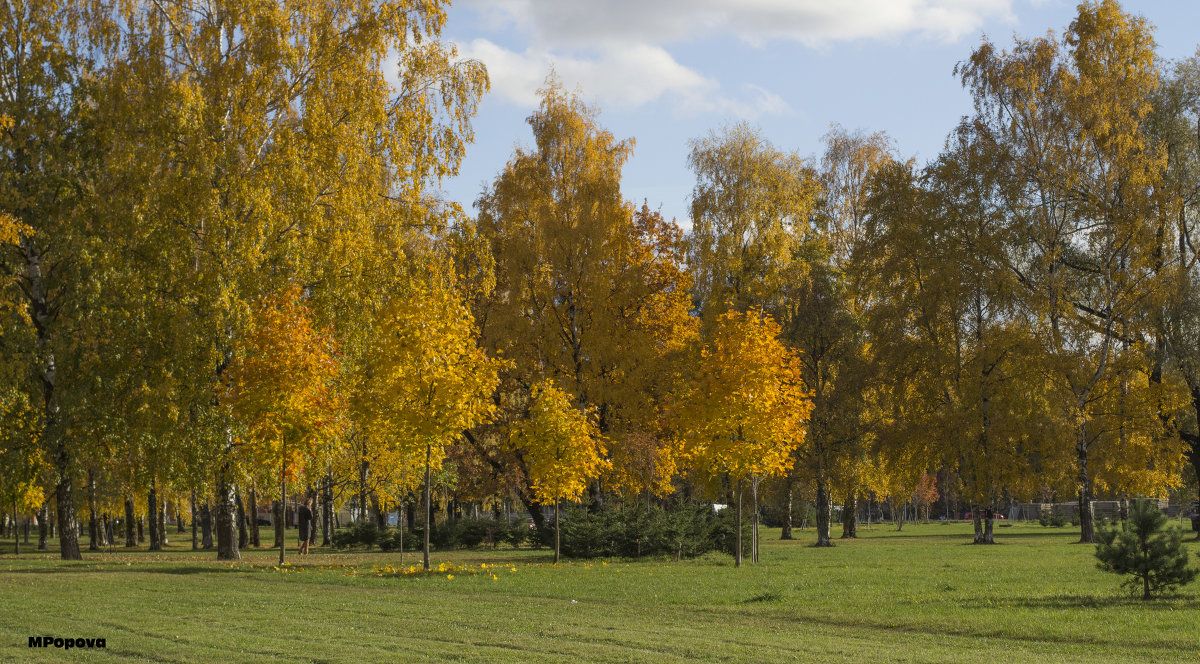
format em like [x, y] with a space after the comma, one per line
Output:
[787, 509]
[824, 508]
[327, 513]
[754, 529]
[44, 526]
[54, 438]
[206, 527]
[243, 532]
[1193, 454]
[254, 541]
[283, 503]
[195, 509]
[277, 523]
[178, 516]
[227, 544]
[163, 540]
[898, 515]
[152, 516]
[850, 516]
[141, 531]
[16, 535]
[428, 520]
[737, 547]
[1087, 528]
[362, 487]
[379, 514]
[557, 529]
[93, 532]
[68, 527]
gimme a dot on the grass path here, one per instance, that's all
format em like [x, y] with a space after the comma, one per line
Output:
[921, 595]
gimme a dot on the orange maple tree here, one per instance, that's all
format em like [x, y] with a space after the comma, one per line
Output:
[280, 387]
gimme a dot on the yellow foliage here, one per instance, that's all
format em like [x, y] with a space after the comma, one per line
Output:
[21, 463]
[281, 385]
[426, 379]
[746, 411]
[560, 444]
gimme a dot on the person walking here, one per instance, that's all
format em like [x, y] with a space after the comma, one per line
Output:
[304, 519]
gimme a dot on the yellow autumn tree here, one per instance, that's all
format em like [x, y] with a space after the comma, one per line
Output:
[1081, 183]
[746, 411]
[21, 464]
[281, 388]
[426, 379]
[562, 447]
[588, 291]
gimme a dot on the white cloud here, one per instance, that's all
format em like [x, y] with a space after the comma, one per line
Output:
[557, 23]
[627, 75]
[615, 49]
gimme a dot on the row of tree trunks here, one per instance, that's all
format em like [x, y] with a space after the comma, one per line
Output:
[16, 529]
[754, 529]
[277, 510]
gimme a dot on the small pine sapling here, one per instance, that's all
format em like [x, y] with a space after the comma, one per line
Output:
[1144, 549]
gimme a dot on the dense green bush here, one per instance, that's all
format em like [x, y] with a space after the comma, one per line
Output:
[458, 533]
[683, 531]
[357, 534]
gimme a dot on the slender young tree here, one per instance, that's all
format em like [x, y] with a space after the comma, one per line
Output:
[745, 410]
[1145, 549]
[281, 388]
[563, 449]
[428, 380]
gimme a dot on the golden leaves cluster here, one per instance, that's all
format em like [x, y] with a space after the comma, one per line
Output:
[282, 384]
[426, 379]
[746, 410]
[560, 443]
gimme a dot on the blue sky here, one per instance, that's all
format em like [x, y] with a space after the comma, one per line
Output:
[666, 71]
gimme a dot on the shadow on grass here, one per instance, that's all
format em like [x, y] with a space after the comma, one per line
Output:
[767, 597]
[94, 567]
[1173, 602]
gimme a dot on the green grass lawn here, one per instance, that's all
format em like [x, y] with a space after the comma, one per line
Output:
[921, 595]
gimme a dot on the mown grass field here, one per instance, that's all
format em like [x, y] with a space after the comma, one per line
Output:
[921, 595]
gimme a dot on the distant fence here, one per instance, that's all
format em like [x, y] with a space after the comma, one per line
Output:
[1102, 508]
